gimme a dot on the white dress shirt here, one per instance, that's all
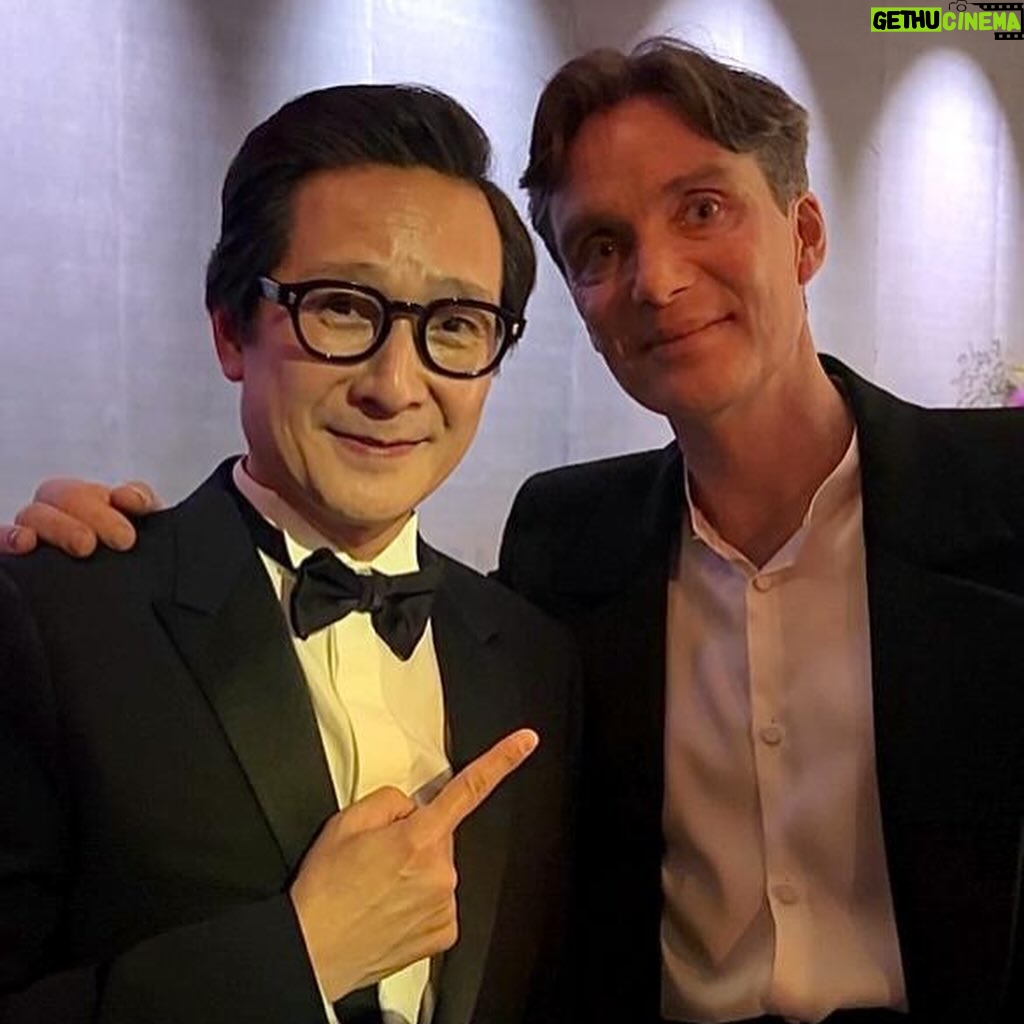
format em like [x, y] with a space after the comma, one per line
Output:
[776, 890]
[381, 719]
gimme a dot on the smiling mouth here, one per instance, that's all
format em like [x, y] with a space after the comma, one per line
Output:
[664, 340]
[376, 444]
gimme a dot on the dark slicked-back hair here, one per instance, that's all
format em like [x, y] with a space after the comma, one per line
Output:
[739, 110]
[337, 128]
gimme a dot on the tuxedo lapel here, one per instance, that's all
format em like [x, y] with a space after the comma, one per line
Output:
[228, 628]
[482, 704]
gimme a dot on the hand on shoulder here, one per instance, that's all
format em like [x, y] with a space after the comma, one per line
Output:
[77, 515]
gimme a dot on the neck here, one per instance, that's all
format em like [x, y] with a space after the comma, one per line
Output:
[360, 543]
[755, 467]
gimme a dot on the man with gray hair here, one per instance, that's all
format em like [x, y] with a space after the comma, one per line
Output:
[800, 622]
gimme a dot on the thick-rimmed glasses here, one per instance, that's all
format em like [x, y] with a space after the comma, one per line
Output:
[342, 322]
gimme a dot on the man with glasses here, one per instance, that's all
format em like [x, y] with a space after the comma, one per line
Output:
[179, 725]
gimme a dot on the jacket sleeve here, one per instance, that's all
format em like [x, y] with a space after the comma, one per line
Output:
[248, 964]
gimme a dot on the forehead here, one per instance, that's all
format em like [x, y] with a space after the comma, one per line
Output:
[398, 219]
[634, 152]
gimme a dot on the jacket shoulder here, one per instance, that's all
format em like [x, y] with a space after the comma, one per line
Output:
[582, 478]
[559, 498]
[487, 598]
[48, 575]
[562, 519]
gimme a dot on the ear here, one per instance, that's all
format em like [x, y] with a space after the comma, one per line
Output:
[810, 237]
[228, 343]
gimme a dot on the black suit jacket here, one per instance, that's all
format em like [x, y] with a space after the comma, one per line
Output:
[162, 777]
[943, 497]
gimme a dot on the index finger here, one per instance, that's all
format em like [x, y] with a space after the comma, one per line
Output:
[475, 783]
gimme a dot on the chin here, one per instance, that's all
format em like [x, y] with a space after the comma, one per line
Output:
[363, 512]
[694, 393]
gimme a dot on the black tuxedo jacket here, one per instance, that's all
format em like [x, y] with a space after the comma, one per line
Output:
[161, 776]
[943, 496]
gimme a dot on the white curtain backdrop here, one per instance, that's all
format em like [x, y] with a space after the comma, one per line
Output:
[118, 117]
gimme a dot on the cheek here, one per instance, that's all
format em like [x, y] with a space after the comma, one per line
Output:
[461, 404]
[599, 311]
[297, 394]
[769, 264]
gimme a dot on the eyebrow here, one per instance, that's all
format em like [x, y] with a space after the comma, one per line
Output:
[706, 174]
[582, 224]
[363, 272]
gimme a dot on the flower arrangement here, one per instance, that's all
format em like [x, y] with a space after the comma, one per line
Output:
[987, 378]
[1015, 395]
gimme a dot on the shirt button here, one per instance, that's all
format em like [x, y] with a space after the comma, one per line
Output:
[763, 583]
[771, 734]
[785, 893]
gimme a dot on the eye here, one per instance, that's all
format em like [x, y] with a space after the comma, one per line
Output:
[596, 257]
[338, 307]
[603, 248]
[453, 325]
[702, 210]
[461, 326]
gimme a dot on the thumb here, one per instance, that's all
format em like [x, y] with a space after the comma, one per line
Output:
[378, 809]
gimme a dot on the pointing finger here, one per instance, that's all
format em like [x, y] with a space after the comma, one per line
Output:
[471, 787]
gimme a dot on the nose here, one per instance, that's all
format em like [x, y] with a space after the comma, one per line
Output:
[663, 268]
[393, 378]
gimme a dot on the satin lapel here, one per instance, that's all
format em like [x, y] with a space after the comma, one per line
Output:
[482, 704]
[229, 629]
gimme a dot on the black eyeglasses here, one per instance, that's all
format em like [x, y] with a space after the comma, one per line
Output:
[341, 322]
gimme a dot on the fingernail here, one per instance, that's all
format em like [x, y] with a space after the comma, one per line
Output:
[13, 536]
[144, 498]
[529, 742]
[122, 539]
[81, 543]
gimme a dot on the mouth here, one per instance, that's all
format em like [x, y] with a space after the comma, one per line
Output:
[667, 338]
[368, 445]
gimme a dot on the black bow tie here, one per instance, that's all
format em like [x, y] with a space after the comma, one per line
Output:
[327, 590]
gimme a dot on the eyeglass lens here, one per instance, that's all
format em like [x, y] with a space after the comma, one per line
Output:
[343, 322]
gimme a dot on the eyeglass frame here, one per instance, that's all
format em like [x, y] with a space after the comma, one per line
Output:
[289, 295]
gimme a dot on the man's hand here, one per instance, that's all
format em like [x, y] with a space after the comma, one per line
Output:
[75, 515]
[376, 892]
